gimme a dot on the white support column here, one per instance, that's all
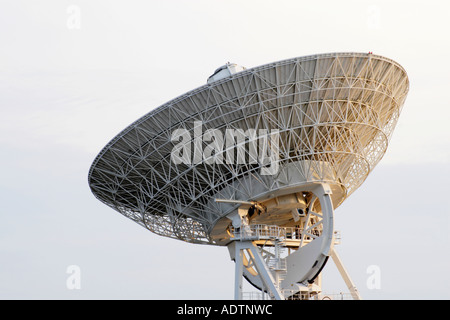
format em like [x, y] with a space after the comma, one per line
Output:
[239, 269]
[350, 285]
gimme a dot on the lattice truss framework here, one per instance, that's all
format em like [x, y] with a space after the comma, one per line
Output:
[338, 108]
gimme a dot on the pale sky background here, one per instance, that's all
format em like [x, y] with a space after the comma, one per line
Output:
[75, 73]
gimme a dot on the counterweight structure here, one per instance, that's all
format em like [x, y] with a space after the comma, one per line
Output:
[257, 160]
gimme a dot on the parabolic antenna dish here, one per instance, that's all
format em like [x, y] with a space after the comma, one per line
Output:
[258, 141]
[335, 114]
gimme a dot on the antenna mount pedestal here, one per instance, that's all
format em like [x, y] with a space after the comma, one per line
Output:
[286, 262]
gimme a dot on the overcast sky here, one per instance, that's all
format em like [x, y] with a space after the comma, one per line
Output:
[75, 73]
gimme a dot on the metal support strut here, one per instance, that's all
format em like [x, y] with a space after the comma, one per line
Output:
[264, 272]
[350, 285]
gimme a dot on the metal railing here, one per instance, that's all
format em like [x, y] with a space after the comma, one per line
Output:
[336, 296]
[297, 295]
[262, 231]
[256, 295]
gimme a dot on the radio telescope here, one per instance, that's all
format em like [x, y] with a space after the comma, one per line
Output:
[258, 160]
